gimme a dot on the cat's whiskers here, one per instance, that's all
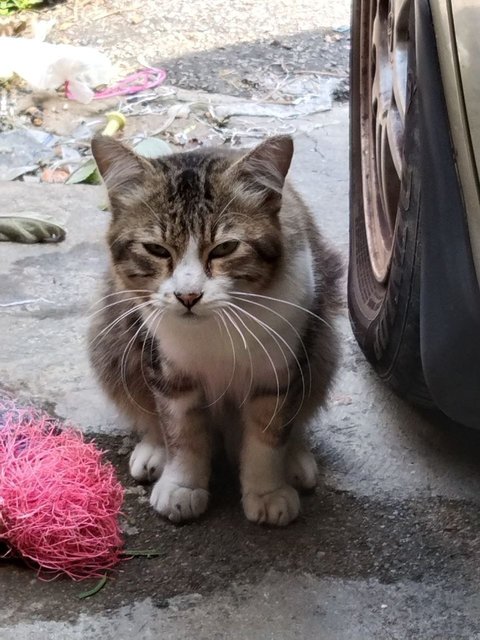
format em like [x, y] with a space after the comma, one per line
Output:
[295, 331]
[114, 322]
[236, 327]
[302, 400]
[234, 358]
[123, 363]
[238, 215]
[287, 302]
[274, 335]
[98, 301]
[223, 211]
[269, 357]
[148, 335]
[247, 348]
[154, 333]
[149, 207]
[112, 304]
[120, 293]
[121, 236]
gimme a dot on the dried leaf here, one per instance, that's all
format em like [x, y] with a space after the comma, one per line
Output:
[29, 230]
[152, 148]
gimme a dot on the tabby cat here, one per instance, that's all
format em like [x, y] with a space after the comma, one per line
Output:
[216, 320]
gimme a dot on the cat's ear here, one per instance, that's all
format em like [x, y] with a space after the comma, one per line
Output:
[271, 160]
[263, 169]
[119, 166]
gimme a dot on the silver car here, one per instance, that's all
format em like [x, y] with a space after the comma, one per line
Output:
[414, 269]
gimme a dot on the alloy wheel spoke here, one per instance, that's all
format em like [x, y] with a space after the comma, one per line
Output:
[398, 44]
[395, 133]
[385, 47]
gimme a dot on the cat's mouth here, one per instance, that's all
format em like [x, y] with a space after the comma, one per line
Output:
[190, 315]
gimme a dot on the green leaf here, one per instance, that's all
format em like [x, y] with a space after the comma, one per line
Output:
[91, 592]
[152, 148]
[10, 6]
[87, 173]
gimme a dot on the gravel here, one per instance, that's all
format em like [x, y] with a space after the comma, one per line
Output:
[217, 46]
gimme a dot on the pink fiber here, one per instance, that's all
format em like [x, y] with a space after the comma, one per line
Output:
[59, 500]
[141, 80]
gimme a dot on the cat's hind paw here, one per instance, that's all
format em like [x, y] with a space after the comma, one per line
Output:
[278, 507]
[302, 470]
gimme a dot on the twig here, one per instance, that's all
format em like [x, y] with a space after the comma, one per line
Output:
[5, 305]
[144, 553]
[111, 13]
[315, 72]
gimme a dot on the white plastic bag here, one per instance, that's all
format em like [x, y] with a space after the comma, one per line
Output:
[46, 66]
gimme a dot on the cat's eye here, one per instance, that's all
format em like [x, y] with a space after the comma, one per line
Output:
[156, 250]
[223, 249]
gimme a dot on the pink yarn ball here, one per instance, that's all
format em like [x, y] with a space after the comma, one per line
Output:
[59, 500]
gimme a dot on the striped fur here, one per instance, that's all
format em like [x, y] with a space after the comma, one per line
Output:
[255, 356]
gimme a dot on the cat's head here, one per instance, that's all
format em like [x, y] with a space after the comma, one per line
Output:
[192, 227]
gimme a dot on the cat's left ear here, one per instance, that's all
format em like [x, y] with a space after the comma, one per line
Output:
[119, 166]
[263, 169]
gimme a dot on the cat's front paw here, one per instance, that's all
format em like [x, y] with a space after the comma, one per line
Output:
[147, 461]
[278, 507]
[178, 503]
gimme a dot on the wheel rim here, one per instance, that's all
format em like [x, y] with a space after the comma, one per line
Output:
[383, 96]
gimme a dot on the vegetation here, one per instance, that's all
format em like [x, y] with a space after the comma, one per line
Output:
[10, 6]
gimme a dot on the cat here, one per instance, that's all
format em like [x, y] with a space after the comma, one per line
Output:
[217, 317]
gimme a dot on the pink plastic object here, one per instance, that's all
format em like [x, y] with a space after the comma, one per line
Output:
[59, 500]
[143, 79]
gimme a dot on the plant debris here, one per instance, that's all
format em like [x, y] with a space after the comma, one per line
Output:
[95, 589]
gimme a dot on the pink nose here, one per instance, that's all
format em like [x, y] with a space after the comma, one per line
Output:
[188, 299]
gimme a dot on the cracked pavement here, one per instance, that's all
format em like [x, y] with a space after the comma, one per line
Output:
[387, 546]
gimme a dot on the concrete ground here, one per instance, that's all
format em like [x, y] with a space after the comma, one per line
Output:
[387, 546]
[221, 47]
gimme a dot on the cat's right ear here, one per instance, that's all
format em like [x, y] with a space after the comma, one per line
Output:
[260, 174]
[119, 166]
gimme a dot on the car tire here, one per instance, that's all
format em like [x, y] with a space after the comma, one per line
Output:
[384, 290]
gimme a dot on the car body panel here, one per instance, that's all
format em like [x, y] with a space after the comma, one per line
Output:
[449, 287]
[456, 24]
[466, 23]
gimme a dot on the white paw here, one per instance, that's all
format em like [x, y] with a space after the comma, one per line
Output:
[147, 461]
[278, 507]
[178, 503]
[302, 470]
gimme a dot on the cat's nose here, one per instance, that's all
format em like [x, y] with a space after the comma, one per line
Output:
[188, 299]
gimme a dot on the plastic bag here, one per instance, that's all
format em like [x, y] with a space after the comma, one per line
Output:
[45, 66]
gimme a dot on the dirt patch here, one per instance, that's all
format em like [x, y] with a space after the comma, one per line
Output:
[337, 534]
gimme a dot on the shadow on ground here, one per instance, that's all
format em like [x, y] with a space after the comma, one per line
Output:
[244, 69]
[398, 497]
